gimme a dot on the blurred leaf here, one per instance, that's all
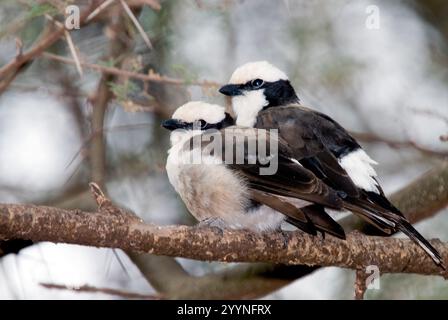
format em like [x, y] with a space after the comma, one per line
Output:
[40, 9]
[185, 73]
[122, 90]
[110, 63]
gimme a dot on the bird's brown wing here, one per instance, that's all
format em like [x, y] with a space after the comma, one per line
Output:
[290, 178]
[315, 140]
[310, 219]
[296, 216]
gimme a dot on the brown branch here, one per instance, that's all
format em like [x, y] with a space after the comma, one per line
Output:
[151, 77]
[90, 289]
[100, 103]
[101, 229]
[97, 151]
[11, 69]
[371, 137]
[360, 284]
[424, 196]
[245, 281]
[257, 280]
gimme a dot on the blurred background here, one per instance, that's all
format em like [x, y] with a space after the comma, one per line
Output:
[380, 68]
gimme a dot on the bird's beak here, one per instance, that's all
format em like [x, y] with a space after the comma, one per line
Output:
[173, 124]
[231, 90]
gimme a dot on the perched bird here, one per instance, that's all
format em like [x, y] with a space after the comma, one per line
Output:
[227, 193]
[263, 97]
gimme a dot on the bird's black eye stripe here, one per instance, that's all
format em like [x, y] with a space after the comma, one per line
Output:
[202, 125]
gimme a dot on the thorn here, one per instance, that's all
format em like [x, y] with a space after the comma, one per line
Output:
[136, 23]
[74, 53]
[98, 194]
[19, 47]
[100, 8]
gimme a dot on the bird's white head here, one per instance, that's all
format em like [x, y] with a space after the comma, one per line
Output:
[255, 86]
[194, 117]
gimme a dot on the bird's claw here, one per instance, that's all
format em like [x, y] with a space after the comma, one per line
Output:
[286, 237]
[213, 222]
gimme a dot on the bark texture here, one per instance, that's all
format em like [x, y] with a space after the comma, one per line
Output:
[116, 229]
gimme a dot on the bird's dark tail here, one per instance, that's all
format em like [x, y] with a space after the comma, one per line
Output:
[390, 222]
[405, 227]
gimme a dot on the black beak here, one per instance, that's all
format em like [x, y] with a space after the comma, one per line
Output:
[173, 124]
[231, 90]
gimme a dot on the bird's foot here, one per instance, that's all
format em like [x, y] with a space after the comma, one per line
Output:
[286, 236]
[213, 222]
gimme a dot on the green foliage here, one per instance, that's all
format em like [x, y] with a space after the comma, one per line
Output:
[40, 9]
[28, 23]
[185, 73]
[122, 90]
[110, 63]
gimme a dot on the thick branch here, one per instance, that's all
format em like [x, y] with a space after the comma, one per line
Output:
[245, 281]
[261, 279]
[100, 229]
[425, 196]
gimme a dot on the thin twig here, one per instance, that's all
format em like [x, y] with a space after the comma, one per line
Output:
[10, 70]
[89, 289]
[371, 137]
[98, 10]
[73, 51]
[136, 23]
[70, 43]
[152, 77]
[360, 284]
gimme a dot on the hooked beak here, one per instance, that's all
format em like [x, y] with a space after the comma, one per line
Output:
[173, 124]
[231, 90]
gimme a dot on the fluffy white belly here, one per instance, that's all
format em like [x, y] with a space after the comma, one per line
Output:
[211, 190]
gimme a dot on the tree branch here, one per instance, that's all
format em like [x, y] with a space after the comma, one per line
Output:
[90, 289]
[257, 280]
[116, 230]
[11, 69]
[244, 281]
[360, 284]
[373, 138]
[151, 77]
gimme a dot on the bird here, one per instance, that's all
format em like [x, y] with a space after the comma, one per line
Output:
[262, 97]
[220, 192]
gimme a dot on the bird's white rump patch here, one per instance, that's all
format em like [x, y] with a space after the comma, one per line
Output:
[257, 70]
[358, 165]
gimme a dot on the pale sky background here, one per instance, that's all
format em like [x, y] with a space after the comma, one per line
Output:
[389, 76]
